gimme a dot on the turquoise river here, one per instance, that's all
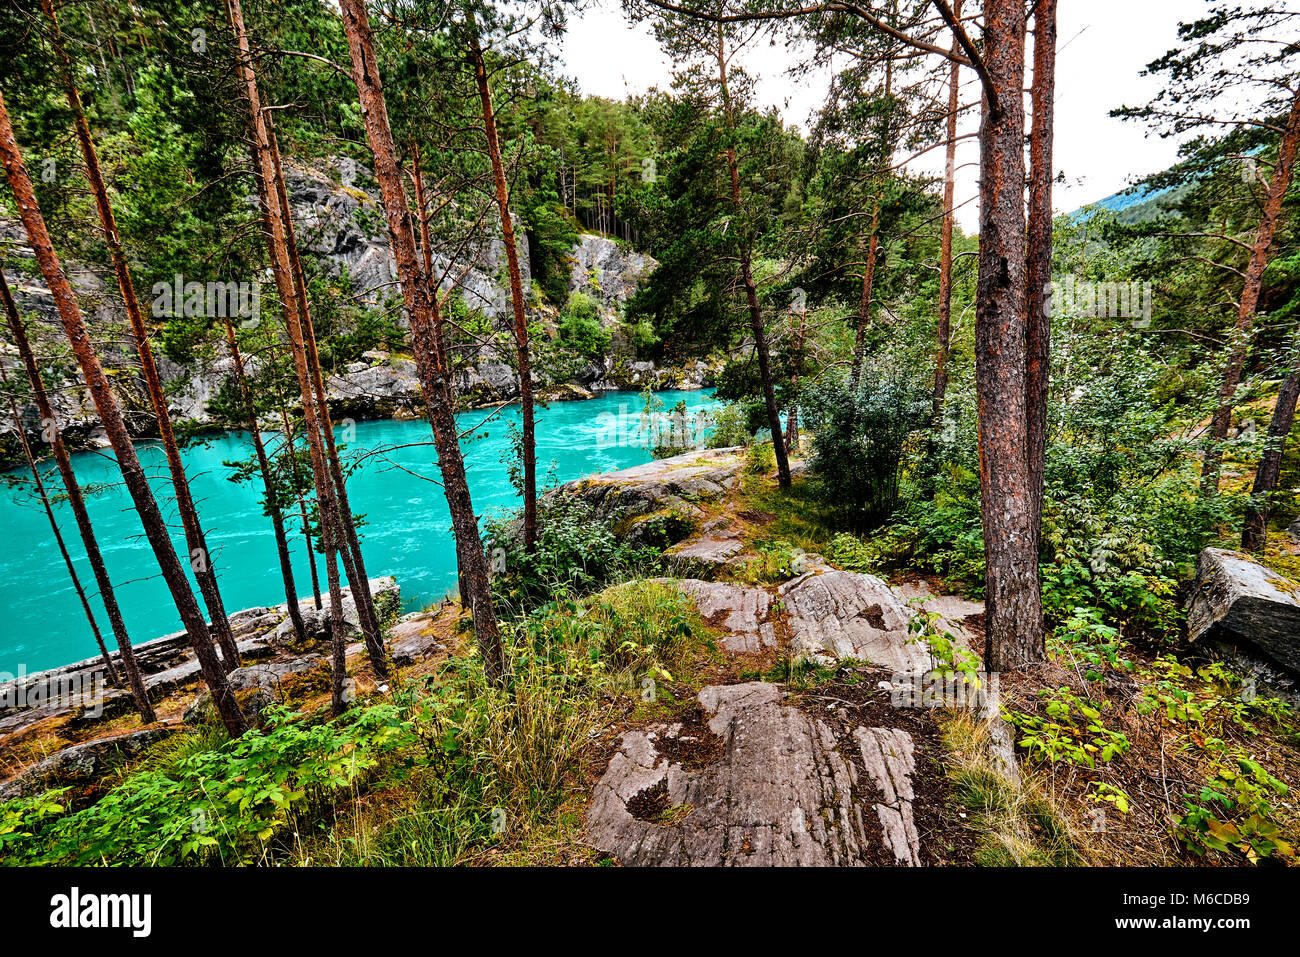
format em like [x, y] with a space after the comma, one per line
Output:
[407, 531]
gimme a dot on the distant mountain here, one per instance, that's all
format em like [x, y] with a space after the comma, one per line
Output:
[1136, 204]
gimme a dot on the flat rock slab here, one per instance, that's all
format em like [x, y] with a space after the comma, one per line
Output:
[743, 612]
[272, 674]
[1238, 601]
[838, 615]
[778, 793]
[751, 782]
[81, 762]
[411, 641]
[704, 556]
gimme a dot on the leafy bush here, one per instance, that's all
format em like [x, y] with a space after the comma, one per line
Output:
[730, 426]
[580, 328]
[860, 437]
[1071, 729]
[228, 804]
[851, 553]
[576, 551]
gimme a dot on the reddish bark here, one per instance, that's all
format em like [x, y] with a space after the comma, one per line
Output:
[1014, 619]
[516, 288]
[354, 565]
[277, 244]
[110, 415]
[1249, 304]
[424, 312]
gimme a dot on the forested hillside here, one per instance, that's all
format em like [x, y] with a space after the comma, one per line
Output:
[993, 535]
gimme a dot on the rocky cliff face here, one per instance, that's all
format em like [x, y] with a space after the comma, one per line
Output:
[340, 221]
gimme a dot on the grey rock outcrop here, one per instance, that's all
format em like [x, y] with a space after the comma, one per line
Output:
[657, 501]
[607, 270]
[744, 613]
[835, 615]
[411, 641]
[271, 675]
[705, 556]
[1237, 601]
[755, 782]
[80, 763]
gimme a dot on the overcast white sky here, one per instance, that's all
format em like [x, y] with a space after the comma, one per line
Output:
[1102, 48]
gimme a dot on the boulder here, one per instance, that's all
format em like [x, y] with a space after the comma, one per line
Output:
[252, 702]
[839, 615]
[411, 640]
[272, 674]
[704, 557]
[388, 388]
[672, 483]
[1237, 601]
[79, 763]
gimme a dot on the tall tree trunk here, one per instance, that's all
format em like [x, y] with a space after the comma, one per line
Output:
[277, 244]
[354, 565]
[1014, 617]
[268, 487]
[868, 288]
[1239, 342]
[201, 560]
[517, 300]
[1038, 260]
[423, 310]
[39, 484]
[747, 277]
[945, 242]
[1254, 530]
[426, 254]
[80, 513]
[873, 250]
[110, 415]
[302, 505]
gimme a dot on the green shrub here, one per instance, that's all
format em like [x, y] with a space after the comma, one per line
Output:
[580, 328]
[576, 552]
[729, 426]
[860, 438]
[227, 804]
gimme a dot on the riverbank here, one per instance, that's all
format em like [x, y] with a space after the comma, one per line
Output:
[405, 534]
[766, 705]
